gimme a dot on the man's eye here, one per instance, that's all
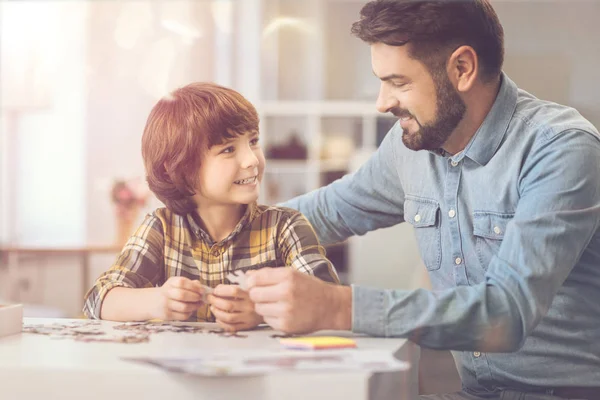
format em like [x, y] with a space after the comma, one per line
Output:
[254, 141]
[398, 84]
[228, 150]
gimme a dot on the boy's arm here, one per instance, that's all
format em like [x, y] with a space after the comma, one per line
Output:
[140, 265]
[299, 248]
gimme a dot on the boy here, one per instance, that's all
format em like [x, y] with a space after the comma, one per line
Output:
[203, 161]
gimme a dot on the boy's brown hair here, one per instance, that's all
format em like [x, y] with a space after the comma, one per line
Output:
[180, 128]
[433, 29]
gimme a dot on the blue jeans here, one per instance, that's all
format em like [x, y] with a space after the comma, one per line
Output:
[504, 395]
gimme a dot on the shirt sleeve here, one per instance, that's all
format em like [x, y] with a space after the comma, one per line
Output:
[556, 218]
[299, 248]
[369, 199]
[140, 265]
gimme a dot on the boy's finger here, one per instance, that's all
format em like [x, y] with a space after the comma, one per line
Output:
[227, 305]
[176, 316]
[185, 283]
[181, 307]
[230, 318]
[230, 291]
[184, 295]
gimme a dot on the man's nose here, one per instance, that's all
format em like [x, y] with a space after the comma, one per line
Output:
[385, 100]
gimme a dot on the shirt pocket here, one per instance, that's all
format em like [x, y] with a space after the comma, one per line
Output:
[422, 214]
[489, 229]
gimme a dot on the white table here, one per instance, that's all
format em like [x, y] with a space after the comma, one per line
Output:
[35, 367]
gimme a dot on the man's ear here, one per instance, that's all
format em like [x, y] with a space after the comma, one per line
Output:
[463, 68]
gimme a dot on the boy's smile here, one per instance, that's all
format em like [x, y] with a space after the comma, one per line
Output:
[231, 172]
[252, 181]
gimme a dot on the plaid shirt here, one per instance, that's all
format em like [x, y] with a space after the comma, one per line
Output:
[167, 244]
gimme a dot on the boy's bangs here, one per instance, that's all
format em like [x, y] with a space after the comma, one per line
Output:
[228, 126]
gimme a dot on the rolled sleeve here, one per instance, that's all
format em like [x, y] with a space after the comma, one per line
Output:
[140, 265]
[300, 249]
[368, 311]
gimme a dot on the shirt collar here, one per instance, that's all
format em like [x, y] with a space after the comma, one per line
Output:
[487, 139]
[199, 233]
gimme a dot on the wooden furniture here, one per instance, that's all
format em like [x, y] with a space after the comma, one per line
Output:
[11, 255]
[35, 366]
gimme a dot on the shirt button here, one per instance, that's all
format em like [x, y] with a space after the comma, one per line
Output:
[216, 252]
[497, 230]
[458, 260]
[417, 218]
[477, 354]
[451, 213]
[454, 163]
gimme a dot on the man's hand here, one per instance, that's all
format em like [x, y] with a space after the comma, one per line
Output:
[293, 302]
[233, 309]
[178, 298]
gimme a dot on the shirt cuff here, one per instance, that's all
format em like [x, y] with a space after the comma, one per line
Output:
[92, 308]
[368, 311]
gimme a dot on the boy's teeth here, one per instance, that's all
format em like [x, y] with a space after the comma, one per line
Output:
[246, 181]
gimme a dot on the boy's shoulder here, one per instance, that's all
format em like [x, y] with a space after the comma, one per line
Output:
[165, 217]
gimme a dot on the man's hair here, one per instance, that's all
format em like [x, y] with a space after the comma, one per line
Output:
[180, 128]
[434, 29]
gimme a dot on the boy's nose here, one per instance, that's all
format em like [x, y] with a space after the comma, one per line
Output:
[249, 159]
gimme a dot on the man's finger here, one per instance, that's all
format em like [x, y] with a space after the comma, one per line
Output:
[267, 277]
[271, 310]
[267, 294]
[273, 322]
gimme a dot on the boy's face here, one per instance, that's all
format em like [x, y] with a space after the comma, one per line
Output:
[231, 172]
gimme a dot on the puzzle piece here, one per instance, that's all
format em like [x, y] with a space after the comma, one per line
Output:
[207, 290]
[238, 277]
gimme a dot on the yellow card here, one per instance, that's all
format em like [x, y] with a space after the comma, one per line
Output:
[318, 342]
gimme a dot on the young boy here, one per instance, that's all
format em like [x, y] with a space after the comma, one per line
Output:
[203, 161]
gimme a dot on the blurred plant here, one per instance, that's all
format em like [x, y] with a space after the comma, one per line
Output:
[129, 196]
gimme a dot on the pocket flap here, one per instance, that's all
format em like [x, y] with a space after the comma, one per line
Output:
[490, 225]
[420, 212]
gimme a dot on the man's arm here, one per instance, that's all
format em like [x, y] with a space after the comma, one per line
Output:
[366, 200]
[556, 217]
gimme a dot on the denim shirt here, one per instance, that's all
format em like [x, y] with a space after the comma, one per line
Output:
[509, 232]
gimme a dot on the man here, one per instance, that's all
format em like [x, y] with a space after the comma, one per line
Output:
[503, 190]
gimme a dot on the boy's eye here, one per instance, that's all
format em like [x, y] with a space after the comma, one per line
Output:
[254, 141]
[227, 149]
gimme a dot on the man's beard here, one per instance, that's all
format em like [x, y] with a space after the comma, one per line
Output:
[450, 111]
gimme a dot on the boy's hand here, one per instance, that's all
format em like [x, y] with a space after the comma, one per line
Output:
[233, 309]
[178, 298]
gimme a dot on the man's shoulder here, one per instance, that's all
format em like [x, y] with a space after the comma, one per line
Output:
[548, 119]
[276, 211]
